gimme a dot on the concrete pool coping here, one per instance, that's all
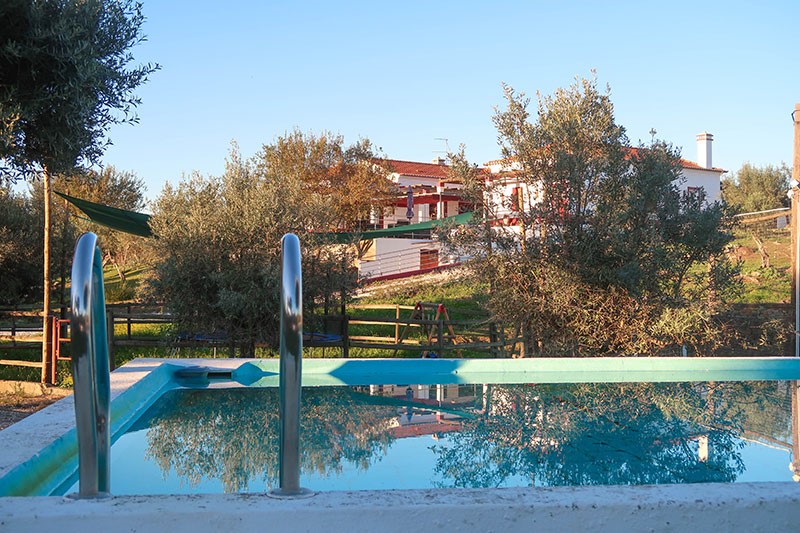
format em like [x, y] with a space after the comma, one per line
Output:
[648, 507]
[772, 507]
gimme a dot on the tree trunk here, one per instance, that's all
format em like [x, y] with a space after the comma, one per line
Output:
[120, 271]
[762, 250]
[46, 302]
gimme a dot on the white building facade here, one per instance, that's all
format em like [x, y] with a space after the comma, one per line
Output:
[435, 195]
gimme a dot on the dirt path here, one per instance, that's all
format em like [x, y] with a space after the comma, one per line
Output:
[16, 403]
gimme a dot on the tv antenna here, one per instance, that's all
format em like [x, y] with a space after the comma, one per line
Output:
[446, 146]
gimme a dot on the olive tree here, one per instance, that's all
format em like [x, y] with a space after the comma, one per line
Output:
[20, 248]
[611, 257]
[217, 242]
[64, 80]
[753, 189]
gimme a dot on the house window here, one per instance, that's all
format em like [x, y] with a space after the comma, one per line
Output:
[515, 198]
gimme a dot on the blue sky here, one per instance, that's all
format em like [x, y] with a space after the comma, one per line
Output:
[406, 73]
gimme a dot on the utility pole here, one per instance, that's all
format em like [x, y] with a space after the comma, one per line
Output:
[795, 232]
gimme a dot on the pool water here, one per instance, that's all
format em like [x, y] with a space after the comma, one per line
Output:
[214, 440]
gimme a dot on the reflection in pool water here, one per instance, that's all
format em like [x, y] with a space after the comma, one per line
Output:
[418, 436]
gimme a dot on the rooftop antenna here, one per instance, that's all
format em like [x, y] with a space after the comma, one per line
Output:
[446, 146]
[652, 133]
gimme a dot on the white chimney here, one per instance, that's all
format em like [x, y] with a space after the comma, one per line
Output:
[704, 141]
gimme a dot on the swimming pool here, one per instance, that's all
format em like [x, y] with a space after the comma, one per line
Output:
[773, 506]
[414, 424]
[470, 435]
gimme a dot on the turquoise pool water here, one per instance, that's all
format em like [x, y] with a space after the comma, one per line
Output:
[210, 440]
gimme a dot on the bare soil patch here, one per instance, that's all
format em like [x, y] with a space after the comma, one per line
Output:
[16, 403]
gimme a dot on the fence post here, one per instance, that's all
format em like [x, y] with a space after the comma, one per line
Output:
[440, 336]
[47, 358]
[110, 336]
[345, 336]
[397, 324]
[493, 339]
[55, 339]
[14, 326]
[129, 321]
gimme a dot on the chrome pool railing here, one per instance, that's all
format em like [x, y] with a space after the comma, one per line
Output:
[291, 356]
[90, 369]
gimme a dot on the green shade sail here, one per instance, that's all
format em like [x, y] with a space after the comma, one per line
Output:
[115, 218]
[139, 223]
[397, 231]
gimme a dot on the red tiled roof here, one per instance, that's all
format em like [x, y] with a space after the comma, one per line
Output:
[503, 161]
[412, 168]
[695, 166]
[417, 430]
[633, 150]
[685, 163]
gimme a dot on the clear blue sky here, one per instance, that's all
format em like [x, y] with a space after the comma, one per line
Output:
[406, 73]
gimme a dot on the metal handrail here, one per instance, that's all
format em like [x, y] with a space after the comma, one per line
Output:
[291, 356]
[90, 369]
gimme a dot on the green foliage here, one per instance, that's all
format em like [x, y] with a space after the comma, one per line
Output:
[64, 80]
[235, 437]
[20, 249]
[607, 248]
[107, 186]
[340, 183]
[754, 189]
[218, 241]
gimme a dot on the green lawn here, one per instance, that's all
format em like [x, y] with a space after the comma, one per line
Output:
[764, 285]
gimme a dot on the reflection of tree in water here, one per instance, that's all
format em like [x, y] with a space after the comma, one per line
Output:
[233, 434]
[601, 434]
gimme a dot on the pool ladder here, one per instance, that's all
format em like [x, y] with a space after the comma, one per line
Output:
[90, 369]
[291, 354]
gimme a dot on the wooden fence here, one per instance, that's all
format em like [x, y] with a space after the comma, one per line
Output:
[399, 329]
[430, 335]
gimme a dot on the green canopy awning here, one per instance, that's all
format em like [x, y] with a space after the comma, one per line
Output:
[397, 231]
[113, 217]
[138, 223]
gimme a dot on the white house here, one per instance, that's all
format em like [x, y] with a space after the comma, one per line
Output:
[433, 196]
[508, 193]
[437, 196]
[703, 174]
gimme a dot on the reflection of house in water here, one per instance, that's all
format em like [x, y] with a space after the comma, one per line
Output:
[432, 409]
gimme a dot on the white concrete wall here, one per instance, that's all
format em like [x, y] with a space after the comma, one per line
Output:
[750, 507]
[393, 256]
[404, 181]
[707, 179]
[502, 194]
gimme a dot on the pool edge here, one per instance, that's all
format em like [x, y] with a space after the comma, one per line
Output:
[749, 507]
